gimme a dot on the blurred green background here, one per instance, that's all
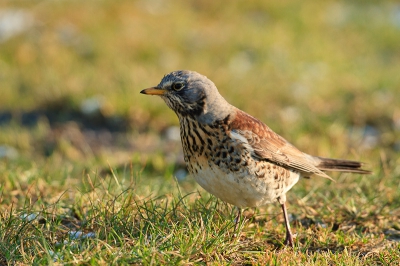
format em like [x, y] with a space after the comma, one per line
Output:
[325, 75]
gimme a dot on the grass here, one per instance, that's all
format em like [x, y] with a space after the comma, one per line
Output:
[91, 174]
[126, 223]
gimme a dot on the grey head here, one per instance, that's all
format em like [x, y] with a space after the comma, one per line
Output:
[193, 95]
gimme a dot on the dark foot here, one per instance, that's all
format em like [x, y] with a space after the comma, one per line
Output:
[289, 240]
[237, 221]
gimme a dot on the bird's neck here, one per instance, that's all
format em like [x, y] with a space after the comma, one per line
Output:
[214, 111]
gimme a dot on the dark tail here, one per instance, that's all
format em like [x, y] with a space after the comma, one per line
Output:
[339, 165]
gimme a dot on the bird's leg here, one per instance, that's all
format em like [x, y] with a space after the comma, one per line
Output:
[236, 221]
[289, 236]
[237, 218]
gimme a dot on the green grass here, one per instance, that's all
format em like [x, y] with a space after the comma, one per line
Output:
[324, 75]
[132, 225]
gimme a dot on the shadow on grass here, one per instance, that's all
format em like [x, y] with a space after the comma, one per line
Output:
[90, 115]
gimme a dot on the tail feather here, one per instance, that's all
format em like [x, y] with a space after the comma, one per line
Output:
[339, 165]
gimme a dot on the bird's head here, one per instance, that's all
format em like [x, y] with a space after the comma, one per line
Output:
[190, 94]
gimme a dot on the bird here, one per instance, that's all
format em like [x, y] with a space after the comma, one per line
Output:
[233, 155]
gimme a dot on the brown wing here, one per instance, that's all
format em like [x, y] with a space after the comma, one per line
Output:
[268, 145]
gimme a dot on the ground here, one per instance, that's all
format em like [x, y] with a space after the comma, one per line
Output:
[91, 171]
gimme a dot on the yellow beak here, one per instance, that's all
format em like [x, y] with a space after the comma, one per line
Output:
[153, 91]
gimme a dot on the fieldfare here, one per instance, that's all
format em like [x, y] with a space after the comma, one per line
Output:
[233, 155]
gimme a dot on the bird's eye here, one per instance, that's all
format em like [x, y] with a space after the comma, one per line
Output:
[177, 86]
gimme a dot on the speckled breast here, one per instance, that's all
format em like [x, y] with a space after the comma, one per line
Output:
[226, 169]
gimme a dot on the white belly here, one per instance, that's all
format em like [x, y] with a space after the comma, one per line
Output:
[241, 188]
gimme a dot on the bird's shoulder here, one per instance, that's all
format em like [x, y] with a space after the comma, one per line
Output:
[257, 132]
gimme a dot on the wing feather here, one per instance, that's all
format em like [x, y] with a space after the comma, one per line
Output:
[267, 145]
